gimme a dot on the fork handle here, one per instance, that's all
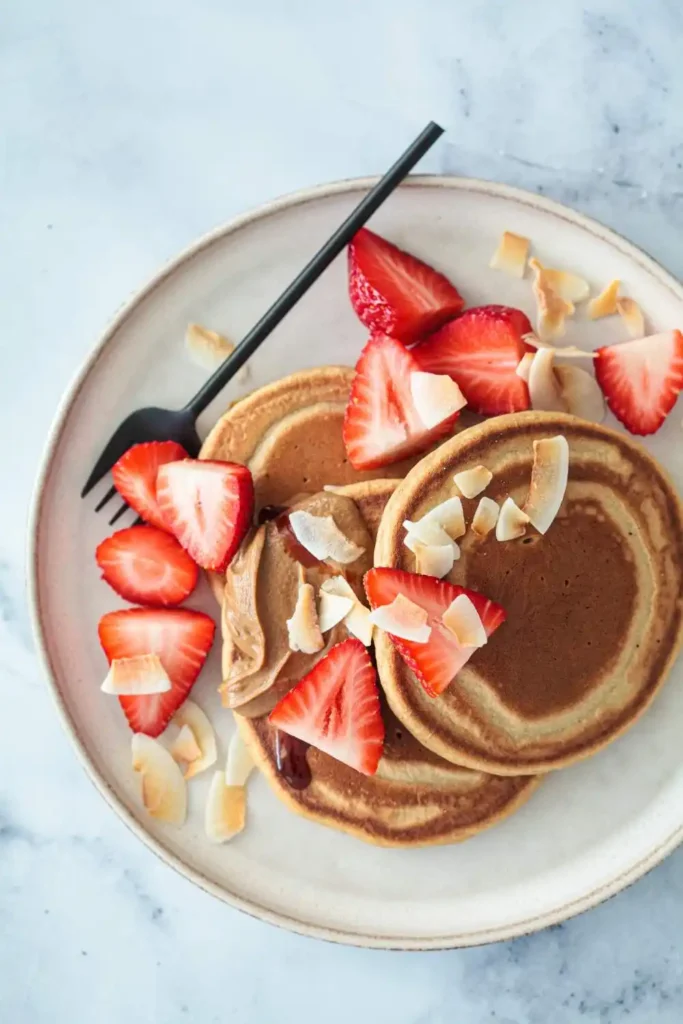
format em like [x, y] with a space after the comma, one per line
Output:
[312, 271]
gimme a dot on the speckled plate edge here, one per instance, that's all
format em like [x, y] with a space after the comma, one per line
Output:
[521, 927]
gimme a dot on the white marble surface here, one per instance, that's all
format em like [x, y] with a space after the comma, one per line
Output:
[128, 129]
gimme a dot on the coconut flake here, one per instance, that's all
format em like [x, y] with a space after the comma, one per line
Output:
[566, 285]
[192, 715]
[632, 315]
[185, 748]
[239, 764]
[463, 621]
[136, 677]
[511, 254]
[580, 393]
[164, 794]
[436, 560]
[544, 388]
[206, 348]
[332, 609]
[225, 809]
[357, 621]
[404, 619]
[512, 521]
[552, 309]
[447, 514]
[604, 304]
[435, 396]
[321, 536]
[562, 351]
[303, 629]
[524, 365]
[548, 481]
[472, 482]
[485, 517]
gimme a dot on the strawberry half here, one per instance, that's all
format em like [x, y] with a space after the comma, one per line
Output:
[208, 507]
[481, 351]
[381, 424]
[135, 476]
[147, 566]
[641, 379]
[437, 662]
[394, 293]
[336, 708]
[180, 638]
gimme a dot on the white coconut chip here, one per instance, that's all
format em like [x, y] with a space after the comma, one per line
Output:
[136, 677]
[447, 514]
[185, 748]
[206, 348]
[544, 387]
[511, 254]
[566, 285]
[436, 560]
[512, 521]
[632, 315]
[332, 609]
[548, 481]
[164, 794]
[485, 517]
[357, 621]
[239, 763]
[403, 618]
[435, 397]
[321, 536]
[472, 482]
[552, 309]
[225, 812]
[605, 304]
[192, 715]
[561, 351]
[580, 393]
[463, 621]
[303, 628]
[524, 365]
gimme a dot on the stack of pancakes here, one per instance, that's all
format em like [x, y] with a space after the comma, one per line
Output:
[593, 611]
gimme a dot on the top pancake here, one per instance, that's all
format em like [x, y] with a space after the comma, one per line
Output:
[593, 607]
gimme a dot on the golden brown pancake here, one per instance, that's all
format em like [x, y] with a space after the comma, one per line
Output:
[416, 798]
[593, 606]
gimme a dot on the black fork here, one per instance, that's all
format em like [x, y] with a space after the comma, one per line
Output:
[154, 424]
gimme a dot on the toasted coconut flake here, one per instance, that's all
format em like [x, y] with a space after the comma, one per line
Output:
[226, 808]
[604, 304]
[435, 396]
[632, 315]
[569, 287]
[552, 309]
[164, 794]
[548, 481]
[136, 677]
[357, 621]
[321, 536]
[239, 764]
[447, 514]
[524, 365]
[485, 517]
[436, 560]
[544, 387]
[207, 348]
[511, 254]
[462, 619]
[303, 628]
[403, 618]
[580, 393]
[512, 521]
[191, 714]
[426, 533]
[185, 748]
[332, 609]
[472, 482]
[562, 351]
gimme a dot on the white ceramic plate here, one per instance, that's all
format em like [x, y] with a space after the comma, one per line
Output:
[589, 830]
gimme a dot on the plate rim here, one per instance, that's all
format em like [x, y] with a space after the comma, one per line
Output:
[251, 906]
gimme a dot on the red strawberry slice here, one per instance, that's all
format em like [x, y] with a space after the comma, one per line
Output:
[481, 351]
[135, 476]
[180, 638]
[336, 708]
[437, 662]
[381, 424]
[641, 379]
[147, 566]
[394, 293]
[208, 507]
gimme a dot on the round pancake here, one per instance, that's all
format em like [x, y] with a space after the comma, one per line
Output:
[416, 798]
[593, 607]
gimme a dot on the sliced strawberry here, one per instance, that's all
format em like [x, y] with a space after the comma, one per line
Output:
[180, 638]
[394, 293]
[481, 351]
[381, 424]
[147, 566]
[336, 708]
[641, 379]
[208, 506]
[135, 476]
[437, 662]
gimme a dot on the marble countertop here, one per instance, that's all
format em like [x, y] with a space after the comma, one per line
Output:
[128, 129]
